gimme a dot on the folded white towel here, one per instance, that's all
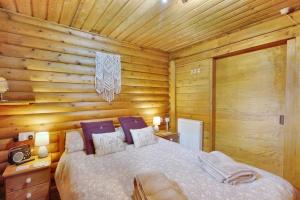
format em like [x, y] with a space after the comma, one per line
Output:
[226, 170]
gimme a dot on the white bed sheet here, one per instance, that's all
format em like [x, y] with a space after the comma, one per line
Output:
[110, 177]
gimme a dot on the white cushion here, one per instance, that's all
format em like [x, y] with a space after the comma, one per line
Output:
[107, 143]
[74, 141]
[120, 133]
[144, 136]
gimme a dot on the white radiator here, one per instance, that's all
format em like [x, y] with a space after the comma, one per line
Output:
[190, 133]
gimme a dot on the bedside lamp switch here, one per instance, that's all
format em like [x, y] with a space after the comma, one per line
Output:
[28, 180]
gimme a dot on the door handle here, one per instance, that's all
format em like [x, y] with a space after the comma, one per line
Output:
[281, 119]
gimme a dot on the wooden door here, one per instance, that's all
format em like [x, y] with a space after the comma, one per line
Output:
[250, 93]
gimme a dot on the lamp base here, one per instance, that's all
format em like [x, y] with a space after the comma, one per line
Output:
[43, 152]
[156, 128]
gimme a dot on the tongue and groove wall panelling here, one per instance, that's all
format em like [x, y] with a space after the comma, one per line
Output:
[193, 95]
[263, 35]
[54, 66]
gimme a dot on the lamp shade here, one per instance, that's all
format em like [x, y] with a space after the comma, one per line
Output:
[3, 85]
[156, 121]
[41, 139]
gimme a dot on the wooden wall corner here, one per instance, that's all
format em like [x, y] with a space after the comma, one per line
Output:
[172, 96]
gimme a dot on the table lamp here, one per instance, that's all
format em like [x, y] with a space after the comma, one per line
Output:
[3, 87]
[41, 140]
[156, 123]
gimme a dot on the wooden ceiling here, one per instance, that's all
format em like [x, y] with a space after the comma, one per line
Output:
[152, 23]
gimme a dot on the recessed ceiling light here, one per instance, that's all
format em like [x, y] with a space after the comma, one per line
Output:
[164, 1]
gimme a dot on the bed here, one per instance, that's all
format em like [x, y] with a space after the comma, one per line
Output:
[110, 177]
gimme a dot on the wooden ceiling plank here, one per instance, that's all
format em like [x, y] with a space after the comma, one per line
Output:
[129, 8]
[258, 14]
[167, 17]
[207, 11]
[183, 19]
[109, 14]
[151, 13]
[221, 16]
[84, 8]
[98, 9]
[251, 32]
[54, 10]
[8, 5]
[68, 11]
[24, 7]
[151, 24]
[133, 18]
[39, 8]
[237, 13]
[263, 12]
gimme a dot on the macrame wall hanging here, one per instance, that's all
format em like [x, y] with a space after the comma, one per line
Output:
[108, 75]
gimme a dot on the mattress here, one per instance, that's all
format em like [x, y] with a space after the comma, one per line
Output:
[110, 177]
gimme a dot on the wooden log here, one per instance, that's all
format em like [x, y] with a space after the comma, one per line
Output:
[39, 65]
[9, 5]
[53, 166]
[25, 52]
[30, 75]
[3, 156]
[9, 132]
[20, 120]
[4, 143]
[37, 86]
[33, 119]
[46, 33]
[44, 108]
[77, 97]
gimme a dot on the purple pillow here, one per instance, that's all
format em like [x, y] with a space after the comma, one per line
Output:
[128, 123]
[89, 128]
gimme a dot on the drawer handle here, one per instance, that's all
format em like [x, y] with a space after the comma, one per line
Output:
[28, 195]
[28, 180]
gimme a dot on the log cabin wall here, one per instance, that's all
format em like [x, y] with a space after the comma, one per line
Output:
[197, 91]
[53, 66]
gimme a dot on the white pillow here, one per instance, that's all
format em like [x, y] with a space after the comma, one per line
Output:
[144, 136]
[107, 143]
[74, 141]
[120, 133]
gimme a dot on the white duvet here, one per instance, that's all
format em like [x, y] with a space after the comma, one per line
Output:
[110, 177]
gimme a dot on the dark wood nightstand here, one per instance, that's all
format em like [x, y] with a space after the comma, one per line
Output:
[168, 135]
[28, 181]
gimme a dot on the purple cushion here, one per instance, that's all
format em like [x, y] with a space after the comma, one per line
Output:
[89, 128]
[128, 123]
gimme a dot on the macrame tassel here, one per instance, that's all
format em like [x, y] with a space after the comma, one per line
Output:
[108, 75]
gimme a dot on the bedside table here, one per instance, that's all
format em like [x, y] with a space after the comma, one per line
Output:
[28, 181]
[168, 136]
